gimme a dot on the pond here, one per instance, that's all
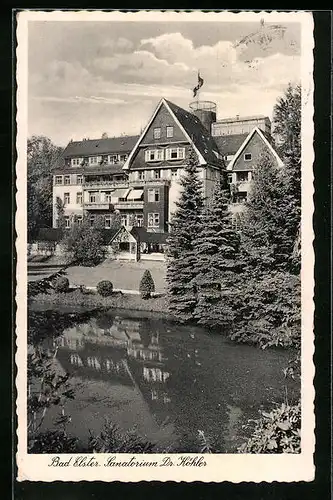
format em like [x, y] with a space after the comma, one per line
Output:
[166, 381]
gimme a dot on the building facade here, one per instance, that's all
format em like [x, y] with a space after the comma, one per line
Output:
[138, 176]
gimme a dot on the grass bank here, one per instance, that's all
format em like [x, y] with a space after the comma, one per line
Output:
[91, 300]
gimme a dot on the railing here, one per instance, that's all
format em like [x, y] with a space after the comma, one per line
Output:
[108, 184]
[149, 181]
[124, 184]
[128, 204]
[101, 205]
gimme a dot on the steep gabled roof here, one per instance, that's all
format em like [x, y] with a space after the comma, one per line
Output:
[197, 132]
[197, 135]
[266, 141]
[229, 144]
[123, 144]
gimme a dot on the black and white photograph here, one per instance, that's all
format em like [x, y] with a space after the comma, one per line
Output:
[165, 261]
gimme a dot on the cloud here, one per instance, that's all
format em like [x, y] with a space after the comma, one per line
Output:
[117, 45]
[141, 66]
[80, 99]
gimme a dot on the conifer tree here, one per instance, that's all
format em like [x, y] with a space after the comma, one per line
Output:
[218, 265]
[287, 128]
[268, 232]
[181, 256]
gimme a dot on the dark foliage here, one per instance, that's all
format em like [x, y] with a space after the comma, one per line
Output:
[147, 285]
[181, 256]
[105, 288]
[61, 284]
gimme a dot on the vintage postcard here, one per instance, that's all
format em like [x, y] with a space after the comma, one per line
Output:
[165, 282]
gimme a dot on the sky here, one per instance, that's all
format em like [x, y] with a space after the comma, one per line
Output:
[87, 78]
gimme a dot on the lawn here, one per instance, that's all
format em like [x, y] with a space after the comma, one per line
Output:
[124, 275]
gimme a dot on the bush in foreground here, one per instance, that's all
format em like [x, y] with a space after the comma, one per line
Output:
[147, 285]
[276, 432]
[105, 288]
[61, 284]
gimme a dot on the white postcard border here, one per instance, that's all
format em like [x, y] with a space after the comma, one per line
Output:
[220, 467]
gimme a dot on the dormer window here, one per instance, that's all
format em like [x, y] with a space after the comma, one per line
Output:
[247, 157]
[154, 155]
[93, 160]
[113, 159]
[76, 161]
[157, 133]
[169, 132]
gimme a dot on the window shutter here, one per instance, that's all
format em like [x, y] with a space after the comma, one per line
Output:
[167, 154]
[146, 155]
[181, 153]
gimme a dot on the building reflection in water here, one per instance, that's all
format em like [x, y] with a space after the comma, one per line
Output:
[119, 351]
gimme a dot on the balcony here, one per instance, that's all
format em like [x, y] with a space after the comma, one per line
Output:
[131, 205]
[98, 206]
[138, 183]
[105, 184]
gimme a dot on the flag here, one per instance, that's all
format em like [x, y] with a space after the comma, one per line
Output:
[200, 84]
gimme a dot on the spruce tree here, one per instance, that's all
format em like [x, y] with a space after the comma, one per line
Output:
[268, 232]
[181, 256]
[287, 128]
[217, 262]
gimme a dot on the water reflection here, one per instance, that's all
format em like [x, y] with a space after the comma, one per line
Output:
[170, 381]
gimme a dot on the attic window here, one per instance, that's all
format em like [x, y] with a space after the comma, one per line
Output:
[248, 157]
[169, 131]
[157, 133]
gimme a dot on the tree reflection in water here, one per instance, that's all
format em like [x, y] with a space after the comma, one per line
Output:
[175, 382]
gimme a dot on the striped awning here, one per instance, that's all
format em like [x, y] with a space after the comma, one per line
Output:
[135, 194]
[119, 193]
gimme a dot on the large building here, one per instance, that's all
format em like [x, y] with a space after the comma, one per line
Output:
[138, 176]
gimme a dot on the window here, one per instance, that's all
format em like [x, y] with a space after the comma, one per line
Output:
[156, 174]
[247, 157]
[230, 178]
[141, 176]
[241, 197]
[92, 220]
[76, 161]
[58, 179]
[67, 179]
[242, 176]
[237, 222]
[154, 155]
[79, 179]
[79, 198]
[93, 160]
[157, 133]
[123, 220]
[107, 220]
[174, 173]
[153, 195]
[153, 220]
[228, 157]
[92, 197]
[108, 197]
[79, 219]
[175, 153]
[67, 198]
[139, 220]
[123, 158]
[113, 159]
[169, 131]
[67, 222]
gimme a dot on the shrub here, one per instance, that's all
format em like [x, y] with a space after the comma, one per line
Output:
[147, 285]
[61, 284]
[105, 288]
[276, 432]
